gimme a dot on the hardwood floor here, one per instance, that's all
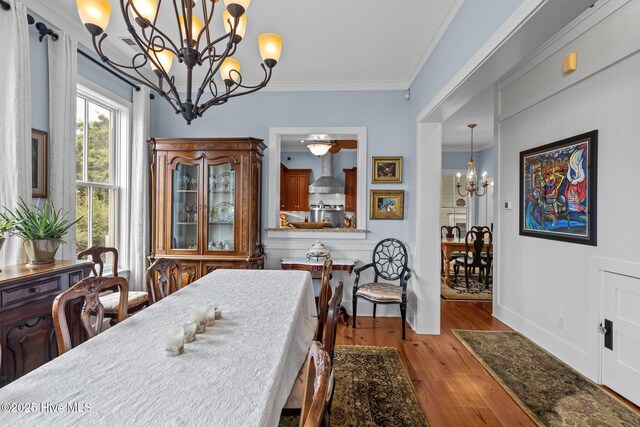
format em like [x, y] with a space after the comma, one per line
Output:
[452, 386]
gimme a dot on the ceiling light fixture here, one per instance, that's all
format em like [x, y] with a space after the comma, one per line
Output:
[195, 47]
[471, 186]
[319, 148]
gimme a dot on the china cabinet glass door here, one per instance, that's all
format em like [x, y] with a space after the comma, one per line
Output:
[221, 206]
[184, 199]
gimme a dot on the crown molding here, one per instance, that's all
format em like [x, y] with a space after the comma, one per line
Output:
[453, 11]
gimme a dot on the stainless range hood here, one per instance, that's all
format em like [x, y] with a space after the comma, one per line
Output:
[327, 183]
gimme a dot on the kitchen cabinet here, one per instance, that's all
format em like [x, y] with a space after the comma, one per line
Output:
[295, 194]
[351, 190]
[207, 202]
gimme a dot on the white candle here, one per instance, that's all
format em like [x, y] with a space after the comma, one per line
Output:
[174, 341]
[211, 315]
[198, 316]
[189, 331]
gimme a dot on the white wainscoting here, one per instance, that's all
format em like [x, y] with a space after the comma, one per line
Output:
[359, 251]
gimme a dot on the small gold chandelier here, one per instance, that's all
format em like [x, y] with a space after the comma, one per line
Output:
[190, 41]
[471, 186]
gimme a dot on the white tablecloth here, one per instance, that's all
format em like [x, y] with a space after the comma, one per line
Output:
[238, 373]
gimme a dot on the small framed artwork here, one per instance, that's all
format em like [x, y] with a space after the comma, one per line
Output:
[558, 190]
[386, 169]
[386, 204]
[38, 163]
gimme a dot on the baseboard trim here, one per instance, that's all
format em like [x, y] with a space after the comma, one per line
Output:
[570, 354]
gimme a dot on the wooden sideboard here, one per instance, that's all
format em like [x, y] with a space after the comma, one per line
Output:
[26, 325]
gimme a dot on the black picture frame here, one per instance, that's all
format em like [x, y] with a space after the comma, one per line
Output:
[567, 210]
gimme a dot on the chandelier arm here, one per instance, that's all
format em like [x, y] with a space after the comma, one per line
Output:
[153, 25]
[460, 194]
[231, 94]
[120, 68]
[177, 14]
[485, 190]
[205, 28]
[216, 41]
[209, 78]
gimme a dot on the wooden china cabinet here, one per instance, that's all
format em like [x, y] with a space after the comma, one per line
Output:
[207, 203]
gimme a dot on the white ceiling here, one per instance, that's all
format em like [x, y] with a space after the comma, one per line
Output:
[328, 45]
[456, 136]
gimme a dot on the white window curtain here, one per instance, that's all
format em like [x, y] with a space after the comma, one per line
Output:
[15, 120]
[62, 55]
[140, 192]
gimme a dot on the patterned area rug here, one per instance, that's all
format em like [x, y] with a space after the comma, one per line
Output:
[552, 393]
[372, 389]
[458, 291]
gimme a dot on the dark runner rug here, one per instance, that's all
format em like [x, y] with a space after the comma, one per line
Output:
[371, 389]
[548, 390]
[458, 291]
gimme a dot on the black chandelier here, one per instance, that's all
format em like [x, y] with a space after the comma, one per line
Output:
[196, 47]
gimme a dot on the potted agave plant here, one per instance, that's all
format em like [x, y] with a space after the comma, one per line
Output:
[6, 224]
[41, 229]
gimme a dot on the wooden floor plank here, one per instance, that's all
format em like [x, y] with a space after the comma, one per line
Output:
[452, 386]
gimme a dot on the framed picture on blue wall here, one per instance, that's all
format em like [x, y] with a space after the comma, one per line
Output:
[558, 190]
[38, 164]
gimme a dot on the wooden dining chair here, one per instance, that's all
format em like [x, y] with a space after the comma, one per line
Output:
[317, 377]
[328, 340]
[137, 300]
[477, 242]
[164, 277]
[389, 262]
[323, 300]
[88, 291]
[451, 232]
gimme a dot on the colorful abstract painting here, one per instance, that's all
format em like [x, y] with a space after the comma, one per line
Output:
[558, 190]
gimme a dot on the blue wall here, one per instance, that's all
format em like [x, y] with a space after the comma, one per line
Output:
[473, 25]
[40, 77]
[385, 114]
[457, 160]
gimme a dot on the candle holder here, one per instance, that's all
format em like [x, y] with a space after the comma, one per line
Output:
[189, 331]
[210, 315]
[198, 316]
[174, 344]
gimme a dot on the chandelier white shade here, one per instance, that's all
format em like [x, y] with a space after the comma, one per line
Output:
[319, 148]
[194, 46]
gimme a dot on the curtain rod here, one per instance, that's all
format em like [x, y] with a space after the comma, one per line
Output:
[44, 31]
[104, 67]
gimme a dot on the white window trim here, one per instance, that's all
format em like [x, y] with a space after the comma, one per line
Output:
[274, 158]
[122, 174]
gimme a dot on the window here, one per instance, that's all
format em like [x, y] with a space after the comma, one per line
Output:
[100, 135]
[453, 208]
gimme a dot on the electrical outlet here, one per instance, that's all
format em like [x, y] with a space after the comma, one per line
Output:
[561, 323]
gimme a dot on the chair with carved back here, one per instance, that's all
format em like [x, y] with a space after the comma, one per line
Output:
[137, 300]
[164, 277]
[323, 300]
[317, 381]
[478, 241]
[389, 262]
[328, 340]
[88, 290]
[451, 231]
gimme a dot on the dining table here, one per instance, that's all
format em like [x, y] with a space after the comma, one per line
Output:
[448, 247]
[239, 372]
